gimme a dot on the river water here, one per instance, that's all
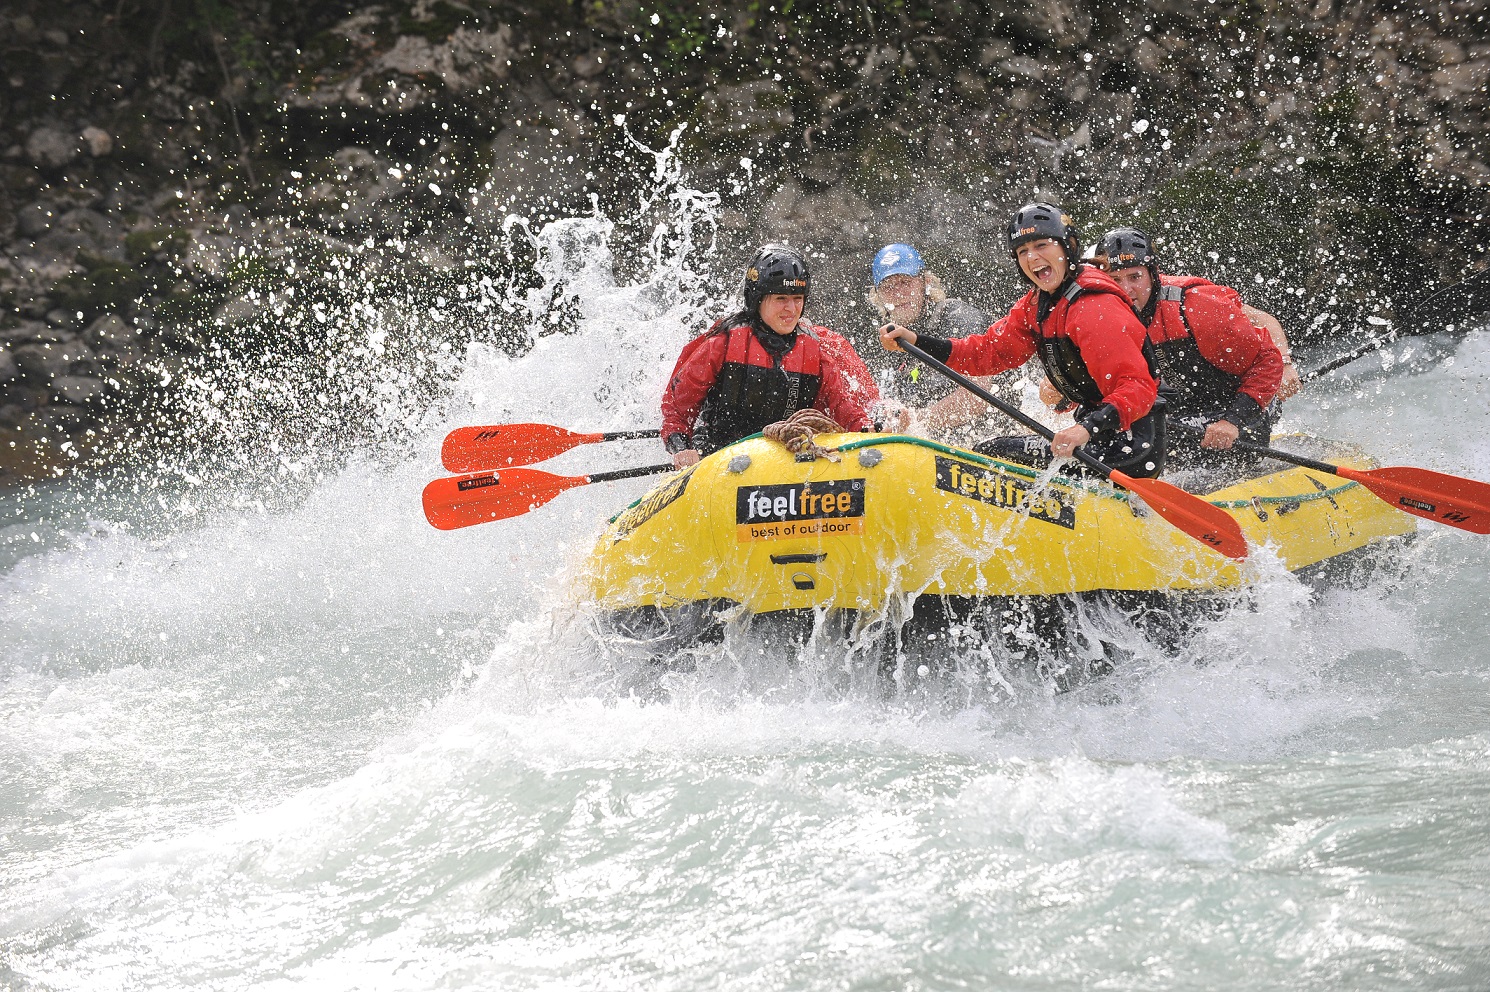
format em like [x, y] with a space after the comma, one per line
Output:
[317, 744]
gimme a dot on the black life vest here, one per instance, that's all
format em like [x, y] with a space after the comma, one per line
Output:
[1064, 366]
[1193, 384]
[756, 387]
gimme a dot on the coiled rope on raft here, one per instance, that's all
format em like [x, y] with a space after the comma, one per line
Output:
[799, 431]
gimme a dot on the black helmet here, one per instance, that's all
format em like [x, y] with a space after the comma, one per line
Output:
[775, 269]
[1126, 248]
[1037, 220]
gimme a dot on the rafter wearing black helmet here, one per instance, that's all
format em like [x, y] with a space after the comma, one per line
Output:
[776, 269]
[1129, 247]
[762, 364]
[1092, 346]
[1221, 372]
[1126, 248]
[1039, 220]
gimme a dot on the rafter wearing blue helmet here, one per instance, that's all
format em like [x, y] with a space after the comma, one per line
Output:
[1081, 326]
[906, 293]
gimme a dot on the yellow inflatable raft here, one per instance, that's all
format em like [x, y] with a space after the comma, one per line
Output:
[753, 526]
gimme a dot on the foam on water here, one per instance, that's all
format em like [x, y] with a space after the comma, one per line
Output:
[322, 745]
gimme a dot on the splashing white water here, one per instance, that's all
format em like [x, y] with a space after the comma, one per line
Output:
[314, 742]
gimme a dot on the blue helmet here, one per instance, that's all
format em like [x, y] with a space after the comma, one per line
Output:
[896, 260]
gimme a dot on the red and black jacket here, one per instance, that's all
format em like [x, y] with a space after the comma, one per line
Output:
[1093, 346]
[739, 377]
[1212, 358]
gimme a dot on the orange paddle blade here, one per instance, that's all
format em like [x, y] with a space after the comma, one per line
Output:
[471, 449]
[463, 500]
[1449, 499]
[1191, 514]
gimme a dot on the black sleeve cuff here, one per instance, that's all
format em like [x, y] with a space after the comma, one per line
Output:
[1102, 420]
[938, 348]
[677, 442]
[1244, 411]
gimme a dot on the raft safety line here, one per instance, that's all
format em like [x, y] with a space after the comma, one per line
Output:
[1242, 504]
[1108, 491]
[1111, 492]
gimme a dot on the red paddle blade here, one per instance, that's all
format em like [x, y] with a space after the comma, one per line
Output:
[471, 449]
[1191, 514]
[1462, 503]
[463, 500]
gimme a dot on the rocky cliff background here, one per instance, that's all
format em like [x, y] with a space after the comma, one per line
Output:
[199, 199]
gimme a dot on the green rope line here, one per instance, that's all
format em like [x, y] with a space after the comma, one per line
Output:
[1116, 493]
[1110, 493]
[1023, 471]
[1242, 504]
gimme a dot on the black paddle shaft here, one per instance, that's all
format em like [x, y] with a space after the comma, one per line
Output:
[630, 473]
[1257, 449]
[1349, 357]
[1448, 305]
[631, 435]
[1080, 454]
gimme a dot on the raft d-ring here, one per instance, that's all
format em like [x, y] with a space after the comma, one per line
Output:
[739, 463]
[870, 457]
[1257, 508]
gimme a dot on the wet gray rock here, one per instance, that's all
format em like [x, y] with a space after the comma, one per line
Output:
[790, 213]
[74, 231]
[1023, 69]
[37, 306]
[64, 417]
[41, 362]
[78, 390]
[352, 188]
[97, 141]
[462, 60]
[110, 331]
[210, 254]
[36, 219]
[34, 332]
[238, 312]
[539, 155]
[388, 72]
[115, 356]
[65, 320]
[1061, 24]
[8, 368]
[750, 109]
[52, 148]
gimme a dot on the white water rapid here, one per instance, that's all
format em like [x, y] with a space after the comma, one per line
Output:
[316, 744]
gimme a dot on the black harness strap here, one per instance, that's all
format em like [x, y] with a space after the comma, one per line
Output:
[1060, 358]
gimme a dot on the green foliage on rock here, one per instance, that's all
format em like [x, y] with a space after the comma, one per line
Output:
[102, 287]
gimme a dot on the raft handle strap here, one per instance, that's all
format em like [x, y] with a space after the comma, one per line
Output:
[801, 559]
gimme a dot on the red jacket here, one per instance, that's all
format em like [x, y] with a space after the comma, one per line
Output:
[830, 374]
[856, 374]
[1100, 323]
[1196, 315]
